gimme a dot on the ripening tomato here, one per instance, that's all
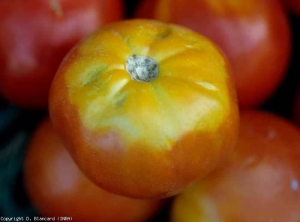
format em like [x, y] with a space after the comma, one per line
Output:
[254, 35]
[57, 187]
[34, 37]
[145, 108]
[259, 182]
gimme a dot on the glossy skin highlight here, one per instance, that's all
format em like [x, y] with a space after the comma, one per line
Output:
[56, 186]
[260, 181]
[145, 139]
[36, 35]
[254, 35]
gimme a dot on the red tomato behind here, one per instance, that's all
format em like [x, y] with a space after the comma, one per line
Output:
[259, 182]
[254, 34]
[56, 187]
[34, 37]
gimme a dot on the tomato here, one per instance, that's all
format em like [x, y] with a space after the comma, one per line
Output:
[58, 188]
[36, 34]
[260, 181]
[254, 35]
[145, 108]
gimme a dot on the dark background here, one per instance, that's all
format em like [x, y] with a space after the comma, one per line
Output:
[17, 125]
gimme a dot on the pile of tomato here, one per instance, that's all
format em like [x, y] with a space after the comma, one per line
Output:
[154, 110]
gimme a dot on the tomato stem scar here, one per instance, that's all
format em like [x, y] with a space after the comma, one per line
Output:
[142, 68]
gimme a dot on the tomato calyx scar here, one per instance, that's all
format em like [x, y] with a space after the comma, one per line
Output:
[142, 68]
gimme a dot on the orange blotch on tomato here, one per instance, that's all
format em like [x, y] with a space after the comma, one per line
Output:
[56, 186]
[140, 136]
[260, 181]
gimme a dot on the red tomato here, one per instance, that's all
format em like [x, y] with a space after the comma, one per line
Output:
[57, 187]
[259, 182]
[254, 34]
[34, 37]
[145, 108]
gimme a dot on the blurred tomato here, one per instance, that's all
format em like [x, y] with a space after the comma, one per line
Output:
[254, 34]
[57, 187]
[145, 108]
[259, 182]
[34, 37]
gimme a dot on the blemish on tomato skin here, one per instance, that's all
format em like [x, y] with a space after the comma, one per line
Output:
[163, 35]
[55, 6]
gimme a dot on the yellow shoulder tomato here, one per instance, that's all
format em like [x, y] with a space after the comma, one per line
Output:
[145, 108]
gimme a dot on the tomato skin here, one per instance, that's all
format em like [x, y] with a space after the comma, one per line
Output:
[259, 182]
[35, 36]
[145, 139]
[255, 36]
[58, 188]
